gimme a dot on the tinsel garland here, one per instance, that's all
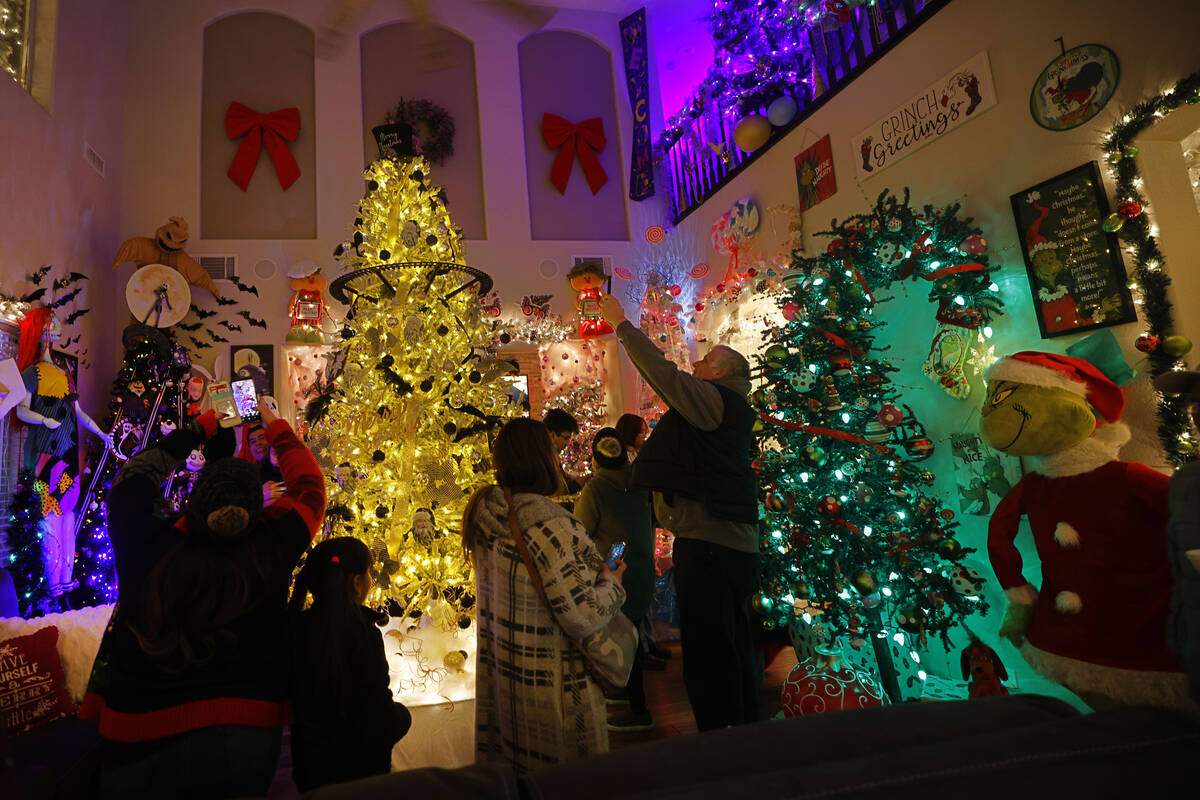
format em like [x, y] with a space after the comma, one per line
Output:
[1150, 275]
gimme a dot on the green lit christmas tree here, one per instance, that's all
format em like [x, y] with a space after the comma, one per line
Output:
[856, 546]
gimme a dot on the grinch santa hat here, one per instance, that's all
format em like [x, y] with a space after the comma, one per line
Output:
[1062, 372]
[1034, 240]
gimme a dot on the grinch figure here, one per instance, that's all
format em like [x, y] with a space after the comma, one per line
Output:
[1056, 287]
[1098, 623]
[586, 279]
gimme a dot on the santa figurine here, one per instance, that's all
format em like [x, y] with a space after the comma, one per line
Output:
[1098, 622]
[586, 279]
[307, 307]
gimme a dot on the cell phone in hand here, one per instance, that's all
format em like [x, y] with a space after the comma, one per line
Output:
[614, 555]
[223, 405]
[245, 397]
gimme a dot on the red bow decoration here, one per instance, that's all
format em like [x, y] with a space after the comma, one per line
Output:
[278, 125]
[585, 140]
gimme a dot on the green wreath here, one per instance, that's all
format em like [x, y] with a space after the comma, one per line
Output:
[433, 125]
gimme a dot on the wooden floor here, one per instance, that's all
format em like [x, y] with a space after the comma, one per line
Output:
[665, 697]
[668, 702]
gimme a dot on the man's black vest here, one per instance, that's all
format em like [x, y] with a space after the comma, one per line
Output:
[712, 467]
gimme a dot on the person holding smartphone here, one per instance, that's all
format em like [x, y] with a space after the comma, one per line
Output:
[190, 684]
[617, 515]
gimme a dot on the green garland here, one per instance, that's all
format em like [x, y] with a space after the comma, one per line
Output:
[1150, 272]
[423, 115]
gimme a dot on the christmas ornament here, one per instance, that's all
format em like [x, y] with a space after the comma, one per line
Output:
[815, 456]
[781, 111]
[949, 549]
[752, 132]
[863, 494]
[821, 683]
[830, 506]
[833, 401]
[841, 366]
[875, 431]
[890, 415]
[1147, 343]
[762, 604]
[774, 501]
[775, 356]
[1130, 151]
[966, 581]
[910, 618]
[864, 582]
[1176, 345]
[1129, 209]
[454, 660]
[1113, 223]
[802, 381]
[973, 245]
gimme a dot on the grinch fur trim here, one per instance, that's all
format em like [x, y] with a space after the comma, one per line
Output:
[1092, 453]
[1132, 687]
[1016, 371]
[1066, 537]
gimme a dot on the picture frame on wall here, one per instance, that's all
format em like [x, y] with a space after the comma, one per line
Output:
[1076, 275]
[815, 178]
[255, 361]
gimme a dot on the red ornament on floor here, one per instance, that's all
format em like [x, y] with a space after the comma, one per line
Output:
[821, 683]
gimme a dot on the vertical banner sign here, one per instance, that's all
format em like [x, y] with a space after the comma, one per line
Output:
[633, 44]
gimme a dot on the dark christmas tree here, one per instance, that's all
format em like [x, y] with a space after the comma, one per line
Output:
[855, 544]
[146, 394]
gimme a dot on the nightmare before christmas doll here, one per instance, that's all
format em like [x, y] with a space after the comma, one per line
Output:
[51, 410]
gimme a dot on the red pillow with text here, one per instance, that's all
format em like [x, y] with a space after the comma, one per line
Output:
[33, 689]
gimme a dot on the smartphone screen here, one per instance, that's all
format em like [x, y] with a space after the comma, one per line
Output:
[615, 554]
[223, 405]
[246, 400]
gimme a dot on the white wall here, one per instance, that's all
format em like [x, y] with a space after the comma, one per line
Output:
[981, 164]
[57, 209]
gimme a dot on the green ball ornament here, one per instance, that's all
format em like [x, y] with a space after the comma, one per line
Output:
[1193, 100]
[814, 455]
[1113, 223]
[949, 548]
[775, 356]
[1176, 346]
[763, 605]
[1130, 151]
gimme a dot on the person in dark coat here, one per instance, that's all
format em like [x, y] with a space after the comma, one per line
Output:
[346, 721]
[612, 511]
[190, 682]
[1183, 539]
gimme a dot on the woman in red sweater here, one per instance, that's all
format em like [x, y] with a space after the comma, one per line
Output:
[190, 684]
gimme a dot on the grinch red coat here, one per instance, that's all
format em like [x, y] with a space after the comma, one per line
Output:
[1106, 583]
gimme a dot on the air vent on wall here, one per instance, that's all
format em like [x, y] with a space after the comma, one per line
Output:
[93, 158]
[219, 267]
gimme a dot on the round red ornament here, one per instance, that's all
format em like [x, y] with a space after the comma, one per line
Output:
[1129, 209]
[1147, 343]
[830, 506]
[675, 290]
[890, 415]
[821, 683]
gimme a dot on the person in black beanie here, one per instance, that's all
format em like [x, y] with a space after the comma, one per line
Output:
[190, 683]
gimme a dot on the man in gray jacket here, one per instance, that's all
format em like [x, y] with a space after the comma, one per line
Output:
[1183, 539]
[697, 462]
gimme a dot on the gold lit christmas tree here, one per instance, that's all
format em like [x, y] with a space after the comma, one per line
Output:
[403, 430]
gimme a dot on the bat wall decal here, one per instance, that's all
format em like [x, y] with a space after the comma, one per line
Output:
[74, 315]
[246, 287]
[226, 301]
[254, 321]
[199, 345]
[66, 298]
[36, 277]
[189, 326]
[202, 313]
[216, 337]
[34, 296]
[229, 326]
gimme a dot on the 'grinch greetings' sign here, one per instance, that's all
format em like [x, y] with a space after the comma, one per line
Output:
[944, 105]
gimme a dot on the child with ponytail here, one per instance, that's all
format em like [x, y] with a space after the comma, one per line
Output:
[345, 719]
